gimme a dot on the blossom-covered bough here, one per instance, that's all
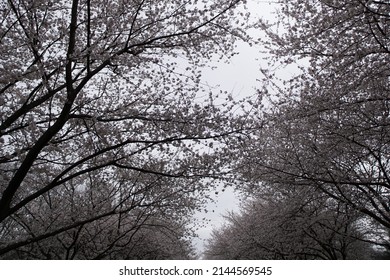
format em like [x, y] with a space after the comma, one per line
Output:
[101, 125]
[329, 128]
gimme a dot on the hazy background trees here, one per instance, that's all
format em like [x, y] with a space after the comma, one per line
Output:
[107, 136]
[147, 217]
[290, 223]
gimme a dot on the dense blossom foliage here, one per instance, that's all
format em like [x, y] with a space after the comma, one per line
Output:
[290, 223]
[104, 120]
[326, 129]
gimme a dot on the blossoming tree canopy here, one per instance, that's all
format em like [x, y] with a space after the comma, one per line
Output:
[101, 121]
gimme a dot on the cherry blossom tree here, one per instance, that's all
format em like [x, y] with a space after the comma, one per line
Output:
[290, 223]
[103, 114]
[328, 126]
[142, 218]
